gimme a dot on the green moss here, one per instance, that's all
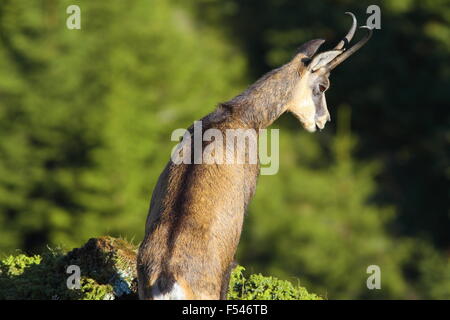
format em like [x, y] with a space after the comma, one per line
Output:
[259, 287]
[108, 271]
[37, 277]
[92, 290]
[15, 265]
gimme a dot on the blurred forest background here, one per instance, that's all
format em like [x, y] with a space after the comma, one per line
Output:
[86, 117]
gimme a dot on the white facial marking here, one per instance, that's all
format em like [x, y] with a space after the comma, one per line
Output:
[322, 114]
[309, 108]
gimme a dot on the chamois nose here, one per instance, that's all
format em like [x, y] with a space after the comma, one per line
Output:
[320, 124]
[322, 120]
[310, 127]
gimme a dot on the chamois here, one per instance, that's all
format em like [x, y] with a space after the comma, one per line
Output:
[197, 210]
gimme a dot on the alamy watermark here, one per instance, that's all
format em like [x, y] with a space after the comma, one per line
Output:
[73, 22]
[374, 280]
[73, 281]
[374, 20]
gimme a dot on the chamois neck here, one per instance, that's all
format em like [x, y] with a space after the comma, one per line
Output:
[264, 101]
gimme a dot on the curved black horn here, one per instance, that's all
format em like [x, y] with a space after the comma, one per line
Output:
[339, 59]
[349, 35]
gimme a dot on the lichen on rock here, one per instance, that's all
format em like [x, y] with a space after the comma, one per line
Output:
[108, 272]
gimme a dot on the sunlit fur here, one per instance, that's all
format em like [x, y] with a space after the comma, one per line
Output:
[196, 212]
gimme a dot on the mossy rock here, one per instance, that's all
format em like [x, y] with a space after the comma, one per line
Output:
[108, 271]
[107, 268]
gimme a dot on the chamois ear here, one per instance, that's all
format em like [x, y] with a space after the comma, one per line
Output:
[310, 48]
[322, 59]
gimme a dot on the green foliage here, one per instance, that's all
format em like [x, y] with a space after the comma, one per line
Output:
[15, 265]
[74, 100]
[259, 287]
[37, 277]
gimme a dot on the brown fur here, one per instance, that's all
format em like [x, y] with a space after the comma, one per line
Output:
[197, 210]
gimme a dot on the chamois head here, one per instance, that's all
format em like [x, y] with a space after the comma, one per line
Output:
[308, 99]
